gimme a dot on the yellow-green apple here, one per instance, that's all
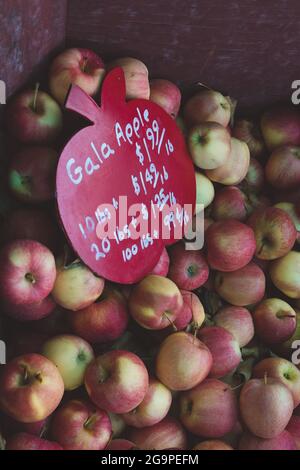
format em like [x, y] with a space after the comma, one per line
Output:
[166, 94]
[121, 444]
[154, 407]
[254, 179]
[224, 348]
[248, 131]
[235, 168]
[81, 67]
[191, 312]
[31, 388]
[230, 203]
[27, 272]
[293, 428]
[283, 370]
[183, 361]
[188, 268]
[167, 434]
[155, 302]
[266, 406]
[284, 441]
[79, 425]
[290, 209]
[275, 232]
[283, 168]
[243, 287]
[230, 245]
[33, 117]
[76, 287]
[238, 321]
[274, 321]
[31, 224]
[26, 441]
[162, 266]
[136, 77]
[285, 274]
[31, 175]
[117, 381]
[209, 144]
[205, 191]
[103, 321]
[29, 312]
[71, 355]
[281, 126]
[210, 409]
[212, 444]
[207, 106]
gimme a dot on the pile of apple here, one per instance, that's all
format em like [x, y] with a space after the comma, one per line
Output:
[197, 355]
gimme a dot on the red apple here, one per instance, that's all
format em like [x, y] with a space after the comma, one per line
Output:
[285, 274]
[81, 67]
[281, 126]
[266, 406]
[212, 444]
[167, 434]
[29, 312]
[209, 145]
[120, 444]
[103, 321]
[76, 287]
[31, 176]
[33, 117]
[154, 407]
[209, 410]
[155, 302]
[31, 388]
[230, 245]
[27, 272]
[238, 321]
[191, 312]
[188, 268]
[79, 425]
[225, 350]
[243, 287]
[274, 320]
[207, 106]
[166, 94]
[284, 441]
[25, 441]
[117, 381]
[136, 77]
[291, 210]
[230, 203]
[283, 168]
[162, 266]
[293, 428]
[247, 131]
[183, 361]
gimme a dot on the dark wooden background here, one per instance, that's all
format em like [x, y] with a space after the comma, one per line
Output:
[249, 49]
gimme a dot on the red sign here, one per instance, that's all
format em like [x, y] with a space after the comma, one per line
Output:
[123, 183]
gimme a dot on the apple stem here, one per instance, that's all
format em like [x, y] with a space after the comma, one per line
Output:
[265, 378]
[170, 321]
[37, 86]
[84, 64]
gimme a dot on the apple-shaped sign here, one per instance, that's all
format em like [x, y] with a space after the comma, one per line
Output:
[125, 184]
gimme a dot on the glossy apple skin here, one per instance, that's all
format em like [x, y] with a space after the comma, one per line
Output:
[27, 272]
[166, 94]
[224, 348]
[243, 287]
[212, 444]
[248, 131]
[41, 125]
[266, 406]
[283, 370]
[25, 441]
[136, 77]
[283, 168]
[183, 361]
[275, 232]
[281, 126]
[236, 166]
[81, 67]
[285, 274]
[31, 388]
[238, 321]
[167, 434]
[31, 176]
[274, 320]
[162, 266]
[209, 144]
[192, 311]
[230, 203]
[209, 409]
[293, 428]
[155, 301]
[120, 444]
[29, 312]
[154, 407]
[188, 268]
[230, 245]
[284, 441]
[207, 106]
[117, 381]
[76, 287]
